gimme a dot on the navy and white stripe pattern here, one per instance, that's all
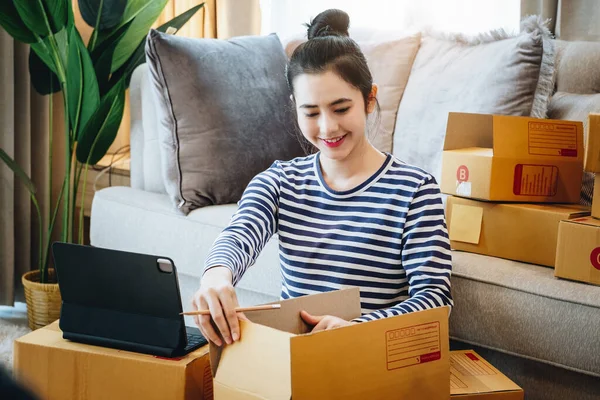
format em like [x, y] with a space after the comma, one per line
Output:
[387, 236]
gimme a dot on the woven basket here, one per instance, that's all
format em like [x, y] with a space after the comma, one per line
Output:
[43, 299]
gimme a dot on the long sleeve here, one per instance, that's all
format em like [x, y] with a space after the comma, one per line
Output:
[251, 227]
[425, 256]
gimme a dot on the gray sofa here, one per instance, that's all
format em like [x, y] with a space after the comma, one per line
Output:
[544, 333]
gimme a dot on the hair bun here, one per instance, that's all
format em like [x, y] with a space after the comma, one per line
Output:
[329, 23]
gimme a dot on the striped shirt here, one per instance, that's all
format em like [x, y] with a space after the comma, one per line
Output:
[387, 236]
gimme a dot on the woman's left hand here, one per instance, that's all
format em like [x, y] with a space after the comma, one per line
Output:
[323, 322]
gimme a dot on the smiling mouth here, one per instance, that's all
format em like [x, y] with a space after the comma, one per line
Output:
[334, 140]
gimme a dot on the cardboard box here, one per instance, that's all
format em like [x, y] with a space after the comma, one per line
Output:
[596, 197]
[473, 378]
[508, 158]
[578, 251]
[403, 357]
[521, 232]
[592, 144]
[55, 368]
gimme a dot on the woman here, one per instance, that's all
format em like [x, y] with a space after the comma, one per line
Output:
[348, 215]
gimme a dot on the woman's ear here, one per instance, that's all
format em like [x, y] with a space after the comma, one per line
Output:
[372, 101]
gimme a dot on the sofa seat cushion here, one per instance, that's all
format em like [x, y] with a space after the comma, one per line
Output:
[522, 309]
[134, 220]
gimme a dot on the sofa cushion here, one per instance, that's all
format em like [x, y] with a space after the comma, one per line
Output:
[225, 114]
[577, 107]
[147, 223]
[578, 66]
[523, 309]
[492, 73]
[390, 58]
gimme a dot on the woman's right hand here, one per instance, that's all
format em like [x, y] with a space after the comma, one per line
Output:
[217, 294]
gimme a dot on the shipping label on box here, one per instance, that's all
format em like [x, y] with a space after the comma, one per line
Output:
[473, 378]
[277, 358]
[578, 250]
[55, 368]
[515, 231]
[509, 158]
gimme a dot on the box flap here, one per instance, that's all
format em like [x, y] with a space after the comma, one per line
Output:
[468, 130]
[258, 364]
[389, 358]
[344, 303]
[591, 161]
[470, 373]
[280, 324]
[526, 137]
[465, 222]
[590, 221]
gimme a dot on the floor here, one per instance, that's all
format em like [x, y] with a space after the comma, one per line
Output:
[13, 324]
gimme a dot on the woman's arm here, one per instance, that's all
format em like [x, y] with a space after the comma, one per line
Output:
[425, 256]
[236, 249]
[251, 227]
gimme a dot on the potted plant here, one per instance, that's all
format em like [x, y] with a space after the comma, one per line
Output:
[93, 80]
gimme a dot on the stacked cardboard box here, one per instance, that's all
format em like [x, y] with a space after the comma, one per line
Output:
[578, 252]
[406, 357]
[496, 167]
[55, 368]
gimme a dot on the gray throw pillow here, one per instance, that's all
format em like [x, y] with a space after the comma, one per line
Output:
[225, 114]
[492, 73]
[577, 107]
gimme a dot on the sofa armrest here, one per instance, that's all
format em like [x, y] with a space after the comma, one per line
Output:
[146, 171]
[137, 129]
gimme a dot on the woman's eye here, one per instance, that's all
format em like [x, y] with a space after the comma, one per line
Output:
[342, 110]
[312, 115]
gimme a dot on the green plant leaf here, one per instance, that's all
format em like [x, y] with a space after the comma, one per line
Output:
[139, 55]
[62, 40]
[180, 20]
[91, 94]
[17, 170]
[139, 28]
[13, 24]
[39, 15]
[57, 10]
[110, 13]
[43, 79]
[102, 58]
[74, 80]
[81, 83]
[45, 51]
[33, 15]
[101, 129]
[42, 50]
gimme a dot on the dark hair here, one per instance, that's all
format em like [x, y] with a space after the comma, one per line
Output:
[329, 47]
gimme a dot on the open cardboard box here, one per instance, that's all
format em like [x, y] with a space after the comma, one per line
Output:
[403, 357]
[509, 158]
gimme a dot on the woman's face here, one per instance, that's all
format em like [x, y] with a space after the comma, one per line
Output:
[331, 113]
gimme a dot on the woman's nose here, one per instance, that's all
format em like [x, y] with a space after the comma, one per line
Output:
[327, 124]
